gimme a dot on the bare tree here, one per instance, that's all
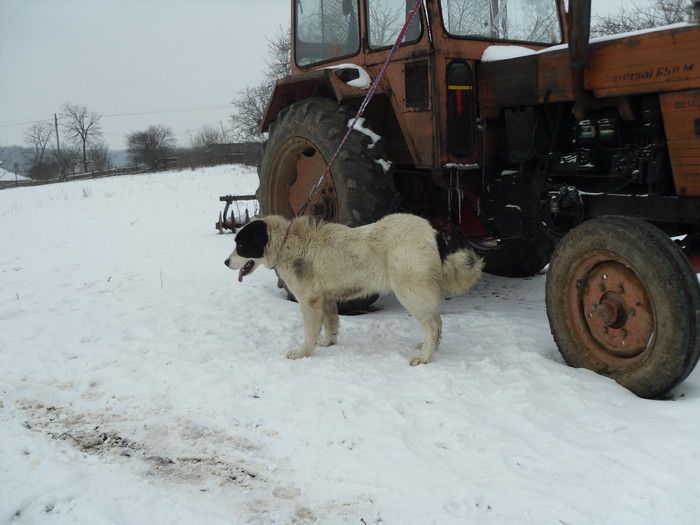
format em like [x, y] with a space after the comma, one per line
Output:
[66, 161]
[466, 18]
[150, 146]
[385, 23]
[657, 13]
[278, 54]
[251, 103]
[515, 20]
[36, 137]
[82, 127]
[200, 151]
[249, 110]
[204, 137]
[98, 156]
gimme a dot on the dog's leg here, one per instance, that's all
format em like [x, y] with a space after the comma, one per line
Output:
[432, 331]
[312, 315]
[330, 323]
[426, 310]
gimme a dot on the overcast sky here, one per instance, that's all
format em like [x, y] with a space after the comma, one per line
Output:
[136, 62]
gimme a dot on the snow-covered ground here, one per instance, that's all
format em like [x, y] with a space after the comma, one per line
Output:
[142, 384]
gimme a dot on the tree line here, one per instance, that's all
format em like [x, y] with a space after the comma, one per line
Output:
[73, 144]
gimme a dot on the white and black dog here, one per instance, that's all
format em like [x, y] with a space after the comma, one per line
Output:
[322, 263]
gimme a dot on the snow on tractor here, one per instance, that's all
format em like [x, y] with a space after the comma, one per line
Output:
[506, 127]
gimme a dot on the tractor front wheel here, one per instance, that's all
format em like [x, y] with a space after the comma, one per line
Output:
[622, 300]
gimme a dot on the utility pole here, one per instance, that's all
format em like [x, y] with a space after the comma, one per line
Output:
[58, 148]
[58, 144]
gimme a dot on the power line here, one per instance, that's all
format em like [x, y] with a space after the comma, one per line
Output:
[26, 123]
[165, 111]
[130, 114]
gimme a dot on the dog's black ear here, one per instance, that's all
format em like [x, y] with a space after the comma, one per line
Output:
[252, 239]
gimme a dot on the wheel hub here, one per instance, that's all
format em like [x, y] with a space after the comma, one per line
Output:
[617, 309]
[308, 167]
[611, 310]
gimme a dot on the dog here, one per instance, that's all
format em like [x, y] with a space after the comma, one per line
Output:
[323, 262]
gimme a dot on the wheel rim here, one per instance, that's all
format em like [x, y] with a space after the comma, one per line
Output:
[297, 169]
[613, 312]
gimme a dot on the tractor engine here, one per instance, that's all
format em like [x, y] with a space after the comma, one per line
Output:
[607, 154]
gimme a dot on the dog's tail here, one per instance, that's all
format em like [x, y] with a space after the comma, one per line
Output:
[460, 270]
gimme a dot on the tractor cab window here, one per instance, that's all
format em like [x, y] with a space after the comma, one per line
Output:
[520, 20]
[325, 30]
[386, 19]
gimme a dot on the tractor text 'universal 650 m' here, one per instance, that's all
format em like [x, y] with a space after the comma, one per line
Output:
[505, 126]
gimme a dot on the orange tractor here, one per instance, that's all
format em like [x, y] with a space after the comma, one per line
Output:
[506, 127]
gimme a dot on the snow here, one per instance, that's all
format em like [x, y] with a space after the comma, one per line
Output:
[384, 164]
[363, 81]
[457, 166]
[494, 53]
[504, 52]
[8, 176]
[358, 124]
[142, 384]
[639, 32]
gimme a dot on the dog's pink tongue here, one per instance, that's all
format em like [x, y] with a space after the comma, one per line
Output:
[240, 275]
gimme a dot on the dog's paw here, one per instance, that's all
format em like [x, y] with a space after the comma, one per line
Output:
[420, 360]
[297, 354]
[327, 340]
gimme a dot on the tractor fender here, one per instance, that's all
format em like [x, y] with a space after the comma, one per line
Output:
[327, 82]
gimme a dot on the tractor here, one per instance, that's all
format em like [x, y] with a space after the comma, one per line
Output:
[511, 130]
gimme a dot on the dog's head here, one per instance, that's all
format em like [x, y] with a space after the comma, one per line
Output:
[251, 242]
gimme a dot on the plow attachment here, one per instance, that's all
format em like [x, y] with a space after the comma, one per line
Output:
[235, 219]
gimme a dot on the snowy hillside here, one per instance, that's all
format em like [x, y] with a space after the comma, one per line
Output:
[8, 176]
[142, 384]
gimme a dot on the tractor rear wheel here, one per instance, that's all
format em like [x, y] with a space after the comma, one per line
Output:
[622, 300]
[359, 188]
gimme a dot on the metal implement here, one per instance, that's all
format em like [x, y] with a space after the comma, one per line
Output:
[229, 222]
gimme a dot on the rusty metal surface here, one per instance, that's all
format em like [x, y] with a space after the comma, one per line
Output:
[610, 311]
[228, 222]
[681, 112]
[657, 61]
[309, 165]
[617, 309]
